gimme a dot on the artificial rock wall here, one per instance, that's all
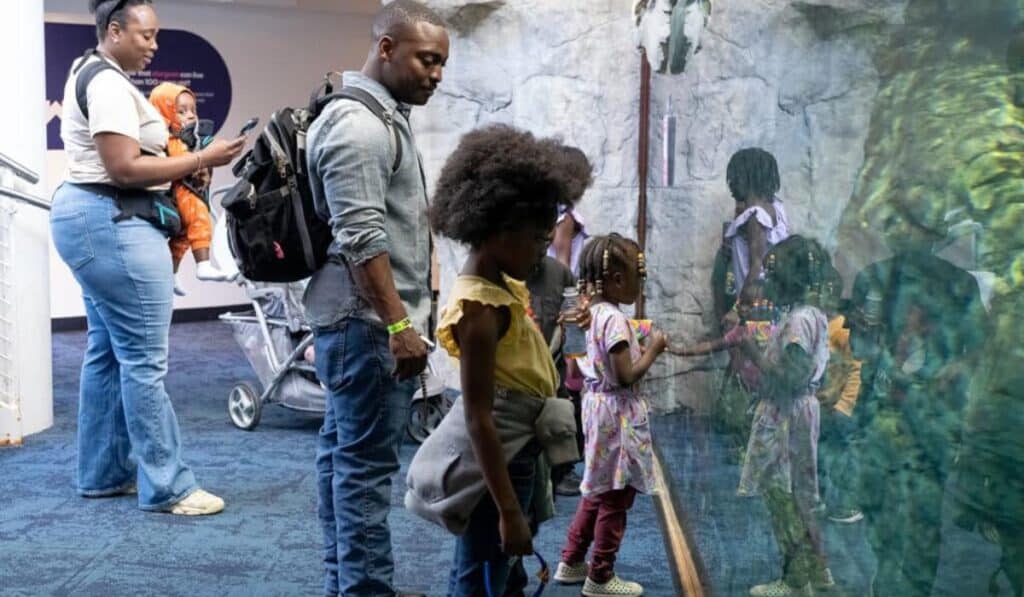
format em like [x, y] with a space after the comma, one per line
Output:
[568, 69]
[797, 78]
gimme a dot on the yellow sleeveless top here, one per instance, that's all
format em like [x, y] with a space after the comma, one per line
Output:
[522, 362]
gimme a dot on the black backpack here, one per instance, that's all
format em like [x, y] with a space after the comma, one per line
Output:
[274, 230]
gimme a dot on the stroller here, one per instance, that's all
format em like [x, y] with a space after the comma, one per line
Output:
[274, 337]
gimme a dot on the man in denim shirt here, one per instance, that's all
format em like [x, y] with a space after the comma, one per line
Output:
[370, 302]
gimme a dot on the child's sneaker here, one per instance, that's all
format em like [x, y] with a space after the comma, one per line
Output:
[780, 588]
[846, 516]
[615, 587]
[823, 582]
[571, 574]
[198, 503]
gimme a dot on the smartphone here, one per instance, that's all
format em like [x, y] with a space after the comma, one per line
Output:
[248, 126]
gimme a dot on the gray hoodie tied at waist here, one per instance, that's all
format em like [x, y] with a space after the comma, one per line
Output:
[445, 483]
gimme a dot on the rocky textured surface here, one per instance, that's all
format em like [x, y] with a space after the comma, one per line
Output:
[868, 105]
[566, 69]
[796, 78]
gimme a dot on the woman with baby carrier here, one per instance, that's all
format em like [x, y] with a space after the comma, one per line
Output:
[110, 221]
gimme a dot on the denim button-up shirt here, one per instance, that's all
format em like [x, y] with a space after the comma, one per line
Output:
[371, 210]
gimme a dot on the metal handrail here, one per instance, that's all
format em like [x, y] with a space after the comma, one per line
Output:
[19, 170]
[19, 196]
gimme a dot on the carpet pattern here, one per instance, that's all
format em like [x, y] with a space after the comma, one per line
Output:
[267, 542]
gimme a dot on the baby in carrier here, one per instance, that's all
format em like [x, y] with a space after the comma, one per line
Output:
[177, 104]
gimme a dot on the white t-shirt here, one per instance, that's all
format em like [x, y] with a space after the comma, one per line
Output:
[115, 106]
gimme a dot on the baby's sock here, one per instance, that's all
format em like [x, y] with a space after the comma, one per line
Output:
[178, 290]
[206, 271]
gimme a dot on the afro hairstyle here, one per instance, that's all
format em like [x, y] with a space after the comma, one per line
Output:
[501, 178]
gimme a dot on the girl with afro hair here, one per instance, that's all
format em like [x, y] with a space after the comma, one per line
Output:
[499, 194]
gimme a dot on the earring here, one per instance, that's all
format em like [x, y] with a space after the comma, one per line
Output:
[641, 266]
[604, 272]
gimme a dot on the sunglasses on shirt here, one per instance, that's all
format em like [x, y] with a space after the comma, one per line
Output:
[544, 575]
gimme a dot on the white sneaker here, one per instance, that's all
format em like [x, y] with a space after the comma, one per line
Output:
[178, 290]
[825, 583]
[205, 271]
[571, 574]
[846, 516]
[614, 587]
[779, 588]
[198, 503]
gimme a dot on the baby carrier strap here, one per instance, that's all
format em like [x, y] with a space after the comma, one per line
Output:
[87, 71]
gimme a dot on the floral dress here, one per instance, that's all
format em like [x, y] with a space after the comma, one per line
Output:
[783, 449]
[618, 451]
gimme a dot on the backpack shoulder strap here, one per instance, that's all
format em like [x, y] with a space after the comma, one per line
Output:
[371, 103]
[86, 73]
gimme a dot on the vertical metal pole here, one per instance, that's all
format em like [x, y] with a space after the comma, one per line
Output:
[643, 162]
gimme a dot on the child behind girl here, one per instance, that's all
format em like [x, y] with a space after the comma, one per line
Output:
[781, 458]
[177, 104]
[761, 223]
[618, 453]
[498, 193]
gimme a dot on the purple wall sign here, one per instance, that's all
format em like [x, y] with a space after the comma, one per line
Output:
[183, 58]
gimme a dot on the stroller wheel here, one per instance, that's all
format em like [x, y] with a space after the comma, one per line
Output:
[424, 417]
[244, 407]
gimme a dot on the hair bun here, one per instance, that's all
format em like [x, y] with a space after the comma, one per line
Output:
[94, 5]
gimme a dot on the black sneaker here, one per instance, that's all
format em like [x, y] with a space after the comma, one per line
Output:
[569, 486]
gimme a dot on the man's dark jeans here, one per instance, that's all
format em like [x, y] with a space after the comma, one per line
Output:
[357, 454]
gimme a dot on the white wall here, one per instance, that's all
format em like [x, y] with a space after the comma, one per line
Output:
[24, 140]
[275, 58]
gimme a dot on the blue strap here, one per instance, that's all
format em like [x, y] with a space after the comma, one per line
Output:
[536, 593]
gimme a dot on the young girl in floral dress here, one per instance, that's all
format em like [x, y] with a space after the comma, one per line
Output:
[781, 461]
[618, 449]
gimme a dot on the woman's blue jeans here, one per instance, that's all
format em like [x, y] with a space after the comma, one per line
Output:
[127, 429]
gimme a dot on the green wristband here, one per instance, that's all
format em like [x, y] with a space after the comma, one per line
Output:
[399, 326]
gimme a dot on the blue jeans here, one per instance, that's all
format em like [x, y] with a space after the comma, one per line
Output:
[127, 429]
[357, 454]
[482, 540]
